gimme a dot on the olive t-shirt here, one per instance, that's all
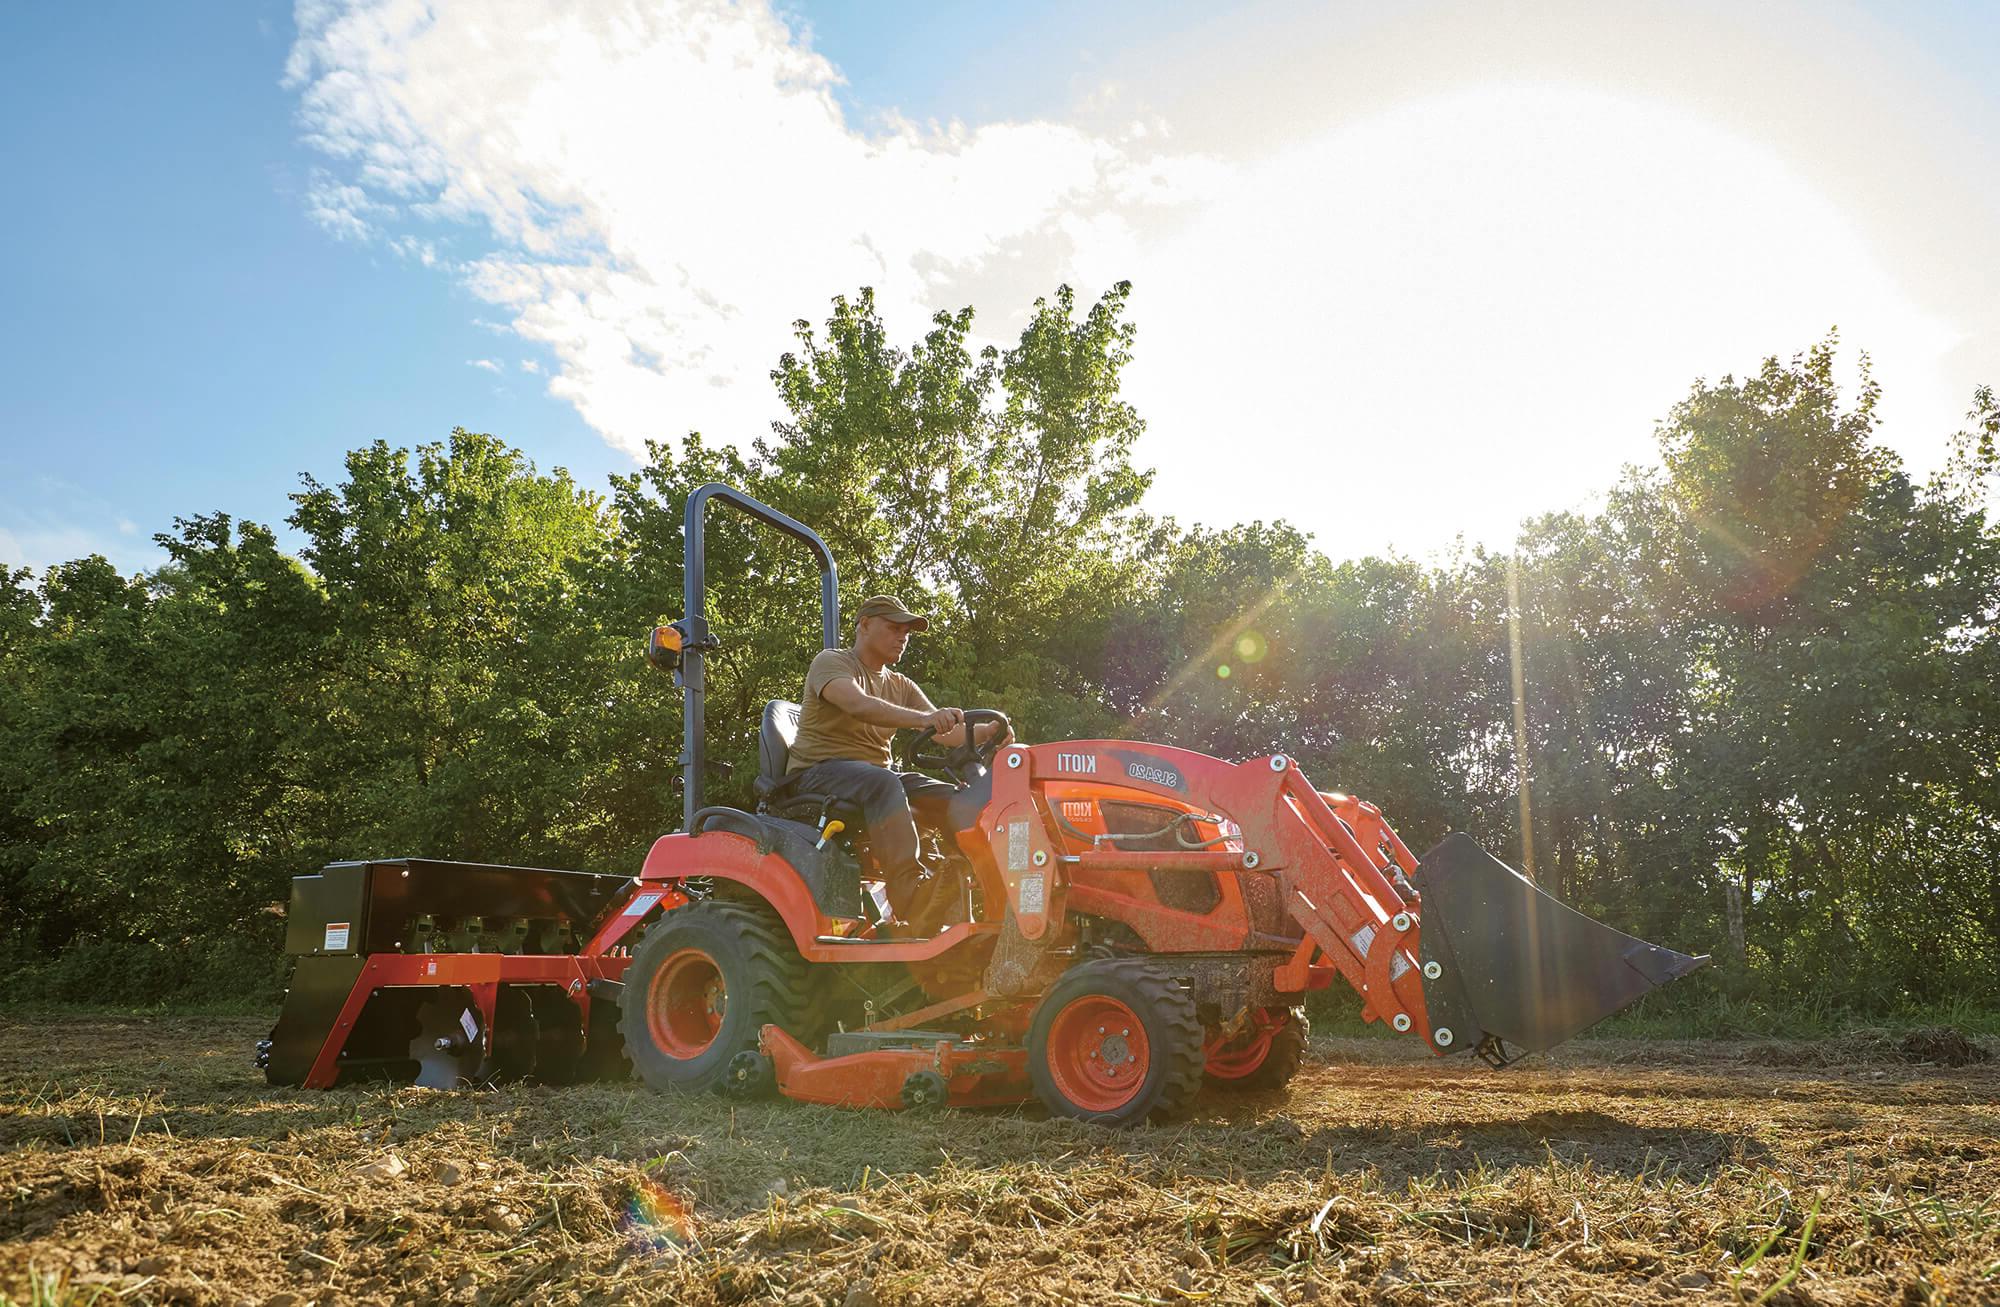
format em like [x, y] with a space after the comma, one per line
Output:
[826, 732]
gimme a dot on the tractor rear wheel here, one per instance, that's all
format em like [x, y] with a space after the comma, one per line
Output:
[702, 984]
[1116, 1041]
[1264, 1055]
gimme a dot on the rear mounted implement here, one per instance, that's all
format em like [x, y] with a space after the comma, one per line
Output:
[445, 974]
[1122, 923]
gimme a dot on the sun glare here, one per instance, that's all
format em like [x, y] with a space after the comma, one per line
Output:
[1473, 307]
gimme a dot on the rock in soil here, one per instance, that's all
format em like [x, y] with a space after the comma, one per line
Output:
[388, 1168]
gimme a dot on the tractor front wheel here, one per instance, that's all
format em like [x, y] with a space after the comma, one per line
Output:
[1265, 1054]
[703, 983]
[1116, 1041]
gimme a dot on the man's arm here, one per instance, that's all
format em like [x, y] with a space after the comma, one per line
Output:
[954, 737]
[983, 732]
[846, 694]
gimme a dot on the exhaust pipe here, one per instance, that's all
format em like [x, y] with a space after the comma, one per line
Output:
[1515, 971]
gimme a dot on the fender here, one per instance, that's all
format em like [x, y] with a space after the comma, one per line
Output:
[726, 855]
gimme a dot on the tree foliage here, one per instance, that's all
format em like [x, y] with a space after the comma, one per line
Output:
[1766, 665]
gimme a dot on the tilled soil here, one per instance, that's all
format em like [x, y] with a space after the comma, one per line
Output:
[144, 1161]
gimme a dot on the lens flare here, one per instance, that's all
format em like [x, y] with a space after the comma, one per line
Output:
[656, 1219]
[1223, 671]
[1251, 646]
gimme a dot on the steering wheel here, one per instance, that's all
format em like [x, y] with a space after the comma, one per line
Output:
[963, 762]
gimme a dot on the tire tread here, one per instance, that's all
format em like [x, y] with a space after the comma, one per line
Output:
[1180, 1053]
[777, 994]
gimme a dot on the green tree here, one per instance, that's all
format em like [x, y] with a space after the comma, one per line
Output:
[454, 588]
[161, 783]
[994, 489]
[1767, 664]
[1840, 640]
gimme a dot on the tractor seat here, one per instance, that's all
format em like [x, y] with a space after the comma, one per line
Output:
[777, 793]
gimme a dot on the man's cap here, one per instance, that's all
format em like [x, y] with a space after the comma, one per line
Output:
[892, 608]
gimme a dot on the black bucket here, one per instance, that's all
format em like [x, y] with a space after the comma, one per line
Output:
[1518, 971]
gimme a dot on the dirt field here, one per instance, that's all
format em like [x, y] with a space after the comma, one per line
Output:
[144, 1161]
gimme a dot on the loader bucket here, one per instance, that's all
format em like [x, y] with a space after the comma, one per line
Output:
[1514, 965]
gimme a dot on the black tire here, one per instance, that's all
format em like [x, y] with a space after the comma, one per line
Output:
[749, 1076]
[761, 979]
[1280, 1063]
[925, 1091]
[1169, 1070]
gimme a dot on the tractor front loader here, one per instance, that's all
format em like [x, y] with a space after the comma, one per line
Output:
[1133, 921]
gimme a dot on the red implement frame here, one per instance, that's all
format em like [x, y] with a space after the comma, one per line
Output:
[480, 973]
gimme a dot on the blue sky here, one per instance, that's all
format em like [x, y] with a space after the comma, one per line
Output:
[1384, 194]
[179, 337]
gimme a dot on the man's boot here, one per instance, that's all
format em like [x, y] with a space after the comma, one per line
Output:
[924, 900]
[940, 903]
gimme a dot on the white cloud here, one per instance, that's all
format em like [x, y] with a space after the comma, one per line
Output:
[530, 366]
[45, 520]
[484, 365]
[345, 211]
[38, 540]
[1396, 311]
[669, 186]
[13, 553]
[415, 249]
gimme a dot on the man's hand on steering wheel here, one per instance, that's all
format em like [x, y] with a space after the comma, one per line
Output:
[959, 760]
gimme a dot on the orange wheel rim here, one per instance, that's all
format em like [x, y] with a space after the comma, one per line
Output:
[1097, 1053]
[685, 1003]
[1246, 1052]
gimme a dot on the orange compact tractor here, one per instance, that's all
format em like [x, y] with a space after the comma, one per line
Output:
[1133, 921]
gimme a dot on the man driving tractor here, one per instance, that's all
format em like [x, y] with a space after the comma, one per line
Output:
[854, 703]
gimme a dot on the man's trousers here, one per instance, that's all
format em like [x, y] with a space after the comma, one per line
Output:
[885, 799]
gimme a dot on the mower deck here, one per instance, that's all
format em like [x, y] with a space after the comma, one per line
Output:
[899, 1069]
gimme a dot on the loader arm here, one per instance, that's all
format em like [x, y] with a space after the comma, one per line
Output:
[1514, 968]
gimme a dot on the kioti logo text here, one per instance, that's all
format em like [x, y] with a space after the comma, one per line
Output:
[1083, 764]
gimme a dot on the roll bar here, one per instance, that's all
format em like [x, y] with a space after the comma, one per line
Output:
[698, 640]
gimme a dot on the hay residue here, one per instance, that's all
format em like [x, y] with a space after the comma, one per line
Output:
[146, 1160]
[1930, 1045]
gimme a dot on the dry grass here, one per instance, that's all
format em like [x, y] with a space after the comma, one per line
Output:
[142, 1161]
